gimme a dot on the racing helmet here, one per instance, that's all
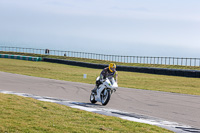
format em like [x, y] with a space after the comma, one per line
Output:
[112, 67]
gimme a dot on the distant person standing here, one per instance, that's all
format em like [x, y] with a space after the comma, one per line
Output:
[46, 51]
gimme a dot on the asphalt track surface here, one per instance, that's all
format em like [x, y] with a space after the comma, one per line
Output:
[180, 108]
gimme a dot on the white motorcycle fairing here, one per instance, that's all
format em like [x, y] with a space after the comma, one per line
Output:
[104, 91]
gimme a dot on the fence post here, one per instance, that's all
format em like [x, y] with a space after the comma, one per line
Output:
[177, 60]
[181, 61]
[118, 58]
[137, 59]
[147, 60]
[169, 61]
[150, 60]
[199, 61]
[185, 61]
[128, 59]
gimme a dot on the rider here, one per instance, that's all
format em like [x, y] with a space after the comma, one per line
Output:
[107, 72]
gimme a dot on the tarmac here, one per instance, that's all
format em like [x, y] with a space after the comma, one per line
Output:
[178, 111]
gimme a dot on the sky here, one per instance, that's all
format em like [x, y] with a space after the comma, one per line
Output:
[121, 27]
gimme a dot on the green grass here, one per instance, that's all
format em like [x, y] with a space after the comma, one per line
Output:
[107, 62]
[20, 114]
[126, 79]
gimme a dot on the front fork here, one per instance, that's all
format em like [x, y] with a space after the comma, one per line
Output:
[99, 90]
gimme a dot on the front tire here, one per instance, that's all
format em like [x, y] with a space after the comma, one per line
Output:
[105, 96]
[92, 98]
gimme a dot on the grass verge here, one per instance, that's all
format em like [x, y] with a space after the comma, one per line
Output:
[126, 79]
[20, 114]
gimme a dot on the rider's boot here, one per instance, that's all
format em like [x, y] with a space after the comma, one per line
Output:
[95, 90]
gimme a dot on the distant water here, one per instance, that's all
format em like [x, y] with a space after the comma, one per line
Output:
[116, 49]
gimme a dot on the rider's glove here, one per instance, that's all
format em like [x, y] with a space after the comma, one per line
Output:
[104, 79]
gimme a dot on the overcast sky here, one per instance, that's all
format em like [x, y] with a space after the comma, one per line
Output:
[123, 27]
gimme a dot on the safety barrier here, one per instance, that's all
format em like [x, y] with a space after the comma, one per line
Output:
[21, 57]
[160, 71]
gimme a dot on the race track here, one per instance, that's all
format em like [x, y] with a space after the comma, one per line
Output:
[180, 108]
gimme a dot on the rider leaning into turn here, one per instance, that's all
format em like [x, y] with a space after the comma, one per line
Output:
[107, 72]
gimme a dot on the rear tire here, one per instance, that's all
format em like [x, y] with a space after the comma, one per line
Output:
[105, 97]
[92, 98]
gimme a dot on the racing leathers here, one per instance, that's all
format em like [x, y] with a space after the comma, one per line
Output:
[106, 73]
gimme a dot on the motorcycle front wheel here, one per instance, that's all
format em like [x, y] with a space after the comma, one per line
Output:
[105, 96]
[92, 98]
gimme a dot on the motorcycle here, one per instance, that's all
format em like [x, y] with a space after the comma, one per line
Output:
[104, 91]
